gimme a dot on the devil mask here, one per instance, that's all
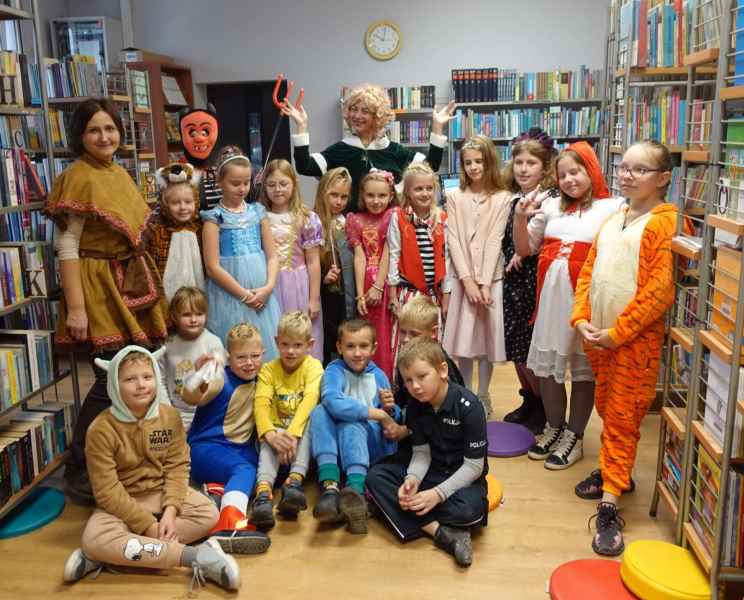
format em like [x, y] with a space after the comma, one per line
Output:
[199, 131]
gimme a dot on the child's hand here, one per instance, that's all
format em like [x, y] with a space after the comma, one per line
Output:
[394, 303]
[485, 292]
[395, 432]
[529, 206]
[373, 296]
[313, 308]
[298, 115]
[471, 291]
[407, 491]
[362, 306]
[202, 360]
[423, 502]
[288, 456]
[332, 275]
[260, 296]
[588, 332]
[167, 525]
[604, 340]
[279, 441]
[515, 263]
[439, 118]
[387, 400]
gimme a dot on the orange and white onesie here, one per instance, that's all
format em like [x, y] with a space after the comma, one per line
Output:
[626, 286]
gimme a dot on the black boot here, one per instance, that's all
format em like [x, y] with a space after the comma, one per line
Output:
[536, 421]
[455, 541]
[522, 413]
[327, 508]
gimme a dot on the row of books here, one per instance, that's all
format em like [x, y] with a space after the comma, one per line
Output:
[33, 316]
[686, 305]
[19, 80]
[658, 115]
[509, 85]
[26, 363]
[557, 121]
[13, 279]
[172, 131]
[671, 468]
[730, 200]
[72, 76]
[659, 33]
[412, 98]
[19, 179]
[409, 131]
[29, 442]
[26, 132]
[681, 367]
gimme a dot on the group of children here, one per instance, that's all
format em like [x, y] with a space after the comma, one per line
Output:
[505, 273]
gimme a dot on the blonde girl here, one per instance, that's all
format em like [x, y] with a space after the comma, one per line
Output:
[298, 236]
[476, 219]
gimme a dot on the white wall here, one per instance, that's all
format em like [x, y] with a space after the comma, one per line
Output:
[320, 43]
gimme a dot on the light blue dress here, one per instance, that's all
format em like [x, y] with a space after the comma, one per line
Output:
[241, 255]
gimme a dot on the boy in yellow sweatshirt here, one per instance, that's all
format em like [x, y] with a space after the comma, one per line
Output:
[288, 390]
[138, 463]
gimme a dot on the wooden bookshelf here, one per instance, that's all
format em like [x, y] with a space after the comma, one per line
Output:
[732, 93]
[669, 500]
[708, 442]
[683, 249]
[21, 495]
[698, 547]
[683, 336]
[719, 345]
[696, 156]
[725, 223]
[676, 418]
[158, 105]
[703, 57]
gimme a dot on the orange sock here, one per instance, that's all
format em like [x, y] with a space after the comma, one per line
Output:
[264, 486]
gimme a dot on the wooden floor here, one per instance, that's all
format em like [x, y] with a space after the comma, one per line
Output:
[540, 525]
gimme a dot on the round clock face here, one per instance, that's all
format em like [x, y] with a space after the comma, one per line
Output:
[383, 40]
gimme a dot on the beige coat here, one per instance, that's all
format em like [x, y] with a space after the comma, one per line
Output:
[475, 230]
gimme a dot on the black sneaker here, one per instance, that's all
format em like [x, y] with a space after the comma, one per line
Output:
[327, 510]
[456, 542]
[242, 541]
[608, 540]
[293, 499]
[591, 487]
[262, 515]
[545, 442]
[568, 450]
[520, 414]
[353, 507]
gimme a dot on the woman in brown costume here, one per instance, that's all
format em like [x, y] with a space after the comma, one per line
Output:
[112, 290]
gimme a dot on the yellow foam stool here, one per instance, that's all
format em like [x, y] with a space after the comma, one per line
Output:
[655, 570]
[495, 492]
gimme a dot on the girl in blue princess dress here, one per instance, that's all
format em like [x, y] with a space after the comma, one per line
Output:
[239, 255]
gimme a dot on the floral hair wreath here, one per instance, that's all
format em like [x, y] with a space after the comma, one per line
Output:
[386, 175]
[538, 135]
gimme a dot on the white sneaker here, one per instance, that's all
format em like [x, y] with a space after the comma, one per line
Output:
[212, 563]
[78, 566]
[545, 442]
[568, 450]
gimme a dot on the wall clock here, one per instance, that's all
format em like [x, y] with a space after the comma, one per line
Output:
[383, 40]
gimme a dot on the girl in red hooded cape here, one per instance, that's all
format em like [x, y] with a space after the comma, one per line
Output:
[562, 229]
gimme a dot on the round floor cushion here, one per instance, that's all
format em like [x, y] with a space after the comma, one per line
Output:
[589, 579]
[656, 570]
[495, 492]
[508, 439]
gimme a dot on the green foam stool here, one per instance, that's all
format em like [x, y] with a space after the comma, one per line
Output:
[655, 570]
[42, 506]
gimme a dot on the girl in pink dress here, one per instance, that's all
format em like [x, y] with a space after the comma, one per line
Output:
[476, 220]
[298, 236]
[366, 232]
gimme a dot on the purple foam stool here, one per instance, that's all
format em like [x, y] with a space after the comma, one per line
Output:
[508, 439]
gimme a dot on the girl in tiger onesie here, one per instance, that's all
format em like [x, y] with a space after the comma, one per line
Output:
[623, 291]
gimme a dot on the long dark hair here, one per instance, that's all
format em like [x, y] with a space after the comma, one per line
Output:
[84, 113]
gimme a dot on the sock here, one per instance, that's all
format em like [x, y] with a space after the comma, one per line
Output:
[485, 369]
[356, 481]
[295, 477]
[328, 472]
[329, 483]
[264, 487]
[188, 556]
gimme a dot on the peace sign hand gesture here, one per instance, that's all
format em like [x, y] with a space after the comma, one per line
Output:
[439, 118]
[530, 205]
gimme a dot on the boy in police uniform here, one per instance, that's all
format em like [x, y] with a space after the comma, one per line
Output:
[442, 490]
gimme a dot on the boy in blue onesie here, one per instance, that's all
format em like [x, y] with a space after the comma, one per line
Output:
[349, 424]
[223, 438]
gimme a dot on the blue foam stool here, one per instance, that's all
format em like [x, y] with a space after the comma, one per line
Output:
[508, 439]
[42, 506]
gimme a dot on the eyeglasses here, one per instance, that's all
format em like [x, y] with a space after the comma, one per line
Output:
[248, 358]
[634, 172]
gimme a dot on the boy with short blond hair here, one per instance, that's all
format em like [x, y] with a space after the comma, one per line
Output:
[288, 390]
[441, 491]
[138, 462]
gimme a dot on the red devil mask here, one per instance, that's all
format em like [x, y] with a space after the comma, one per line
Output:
[199, 132]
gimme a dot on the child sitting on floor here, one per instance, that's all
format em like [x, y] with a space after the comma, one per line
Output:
[442, 490]
[349, 425]
[138, 462]
[287, 392]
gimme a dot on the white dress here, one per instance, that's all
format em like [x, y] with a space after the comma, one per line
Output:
[184, 264]
[555, 349]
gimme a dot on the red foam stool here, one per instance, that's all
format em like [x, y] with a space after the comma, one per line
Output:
[589, 579]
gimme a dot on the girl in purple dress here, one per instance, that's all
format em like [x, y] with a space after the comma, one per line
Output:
[298, 236]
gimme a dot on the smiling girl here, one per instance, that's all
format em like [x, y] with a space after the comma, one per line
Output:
[476, 220]
[366, 110]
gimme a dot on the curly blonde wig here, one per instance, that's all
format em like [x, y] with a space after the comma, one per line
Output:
[376, 100]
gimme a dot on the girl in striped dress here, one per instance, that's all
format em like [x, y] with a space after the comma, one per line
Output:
[418, 249]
